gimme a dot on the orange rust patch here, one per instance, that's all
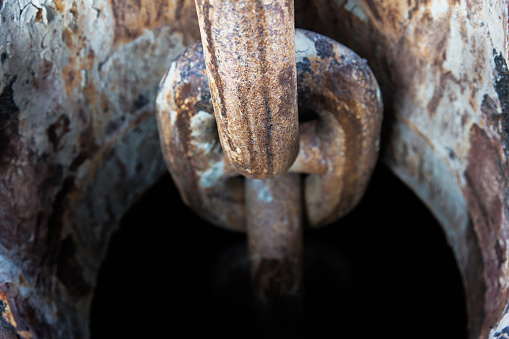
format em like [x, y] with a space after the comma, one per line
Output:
[59, 5]
[7, 315]
[38, 16]
[91, 94]
[105, 105]
[71, 77]
[67, 38]
[485, 196]
[74, 9]
[133, 17]
[25, 334]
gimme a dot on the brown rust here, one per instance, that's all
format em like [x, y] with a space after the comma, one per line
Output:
[7, 322]
[191, 145]
[9, 328]
[442, 69]
[435, 61]
[249, 54]
[485, 197]
[134, 17]
[62, 132]
[339, 86]
[274, 229]
[338, 151]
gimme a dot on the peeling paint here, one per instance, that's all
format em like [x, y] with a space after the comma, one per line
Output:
[435, 63]
[85, 112]
[440, 66]
[439, 8]
[213, 175]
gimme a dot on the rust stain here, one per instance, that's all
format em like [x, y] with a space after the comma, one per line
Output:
[68, 39]
[60, 5]
[485, 196]
[90, 90]
[72, 72]
[133, 17]
[74, 8]
[38, 16]
[244, 60]
[274, 227]
[411, 47]
[8, 326]
[71, 78]
[91, 94]
[77, 71]
[5, 310]
[418, 132]
[338, 149]
[57, 130]
[25, 334]
[343, 139]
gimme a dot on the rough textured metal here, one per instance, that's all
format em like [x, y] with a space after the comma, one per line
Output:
[191, 146]
[249, 52]
[78, 144]
[338, 150]
[274, 228]
[441, 65]
[442, 68]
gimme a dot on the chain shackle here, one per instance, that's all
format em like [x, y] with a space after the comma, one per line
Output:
[338, 150]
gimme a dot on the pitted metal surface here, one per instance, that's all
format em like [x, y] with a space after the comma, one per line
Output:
[338, 150]
[79, 143]
[249, 51]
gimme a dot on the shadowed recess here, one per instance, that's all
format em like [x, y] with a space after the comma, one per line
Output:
[384, 270]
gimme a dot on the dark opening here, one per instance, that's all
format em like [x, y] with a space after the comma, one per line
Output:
[385, 270]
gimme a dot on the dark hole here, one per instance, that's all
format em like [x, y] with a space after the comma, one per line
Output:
[306, 114]
[141, 101]
[385, 271]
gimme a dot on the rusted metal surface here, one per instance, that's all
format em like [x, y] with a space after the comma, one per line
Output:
[191, 146]
[274, 228]
[249, 53]
[442, 68]
[7, 322]
[441, 65]
[338, 150]
[78, 143]
[340, 88]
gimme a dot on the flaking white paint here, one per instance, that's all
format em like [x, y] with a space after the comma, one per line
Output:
[438, 9]
[210, 177]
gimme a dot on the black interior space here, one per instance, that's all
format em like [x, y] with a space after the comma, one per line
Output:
[385, 270]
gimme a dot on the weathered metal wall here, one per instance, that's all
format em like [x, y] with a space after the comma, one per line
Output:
[78, 143]
[78, 139]
[443, 72]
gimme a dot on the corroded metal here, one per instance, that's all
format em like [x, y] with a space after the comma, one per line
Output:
[274, 228]
[338, 150]
[442, 68]
[249, 54]
[78, 81]
[78, 142]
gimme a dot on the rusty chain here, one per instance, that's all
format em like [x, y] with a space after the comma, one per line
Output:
[249, 55]
[337, 152]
